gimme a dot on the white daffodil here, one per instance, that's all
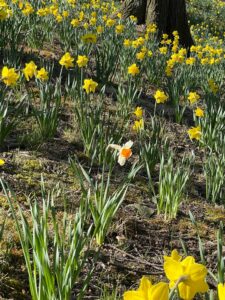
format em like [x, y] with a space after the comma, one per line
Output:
[124, 151]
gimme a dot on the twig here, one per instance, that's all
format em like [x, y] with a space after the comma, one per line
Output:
[139, 260]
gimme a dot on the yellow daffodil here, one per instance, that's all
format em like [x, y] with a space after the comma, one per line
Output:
[221, 291]
[120, 28]
[100, 29]
[199, 112]
[110, 22]
[140, 55]
[168, 71]
[138, 112]
[93, 21]
[90, 85]
[127, 43]
[9, 76]
[2, 162]
[42, 74]
[133, 70]
[138, 125]
[193, 97]
[3, 14]
[165, 36]
[195, 133]
[163, 50]
[67, 60]
[175, 33]
[89, 38]
[65, 13]
[133, 18]
[75, 22]
[190, 60]
[187, 275]
[213, 86]
[81, 16]
[168, 42]
[42, 12]
[30, 70]
[82, 61]
[124, 152]
[86, 25]
[28, 9]
[59, 18]
[160, 96]
[151, 28]
[148, 291]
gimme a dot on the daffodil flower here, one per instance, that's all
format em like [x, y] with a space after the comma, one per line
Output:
[195, 133]
[9, 76]
[193, 97]
[199, 112]
[67, 60]
[30, 70]
[187, 275]
[2, 162]
[124, 152]
[138, 112]
[133, 70]
[160, 96]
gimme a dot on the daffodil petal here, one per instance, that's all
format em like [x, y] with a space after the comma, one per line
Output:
[114, 146]
[221, 291]
[128, 144]
[145, 286]
[186, 292]
[175, 255]
[134, 295]
[188, 262]
[197, 272]
[159, 291]
[121, 160]
[173, 269]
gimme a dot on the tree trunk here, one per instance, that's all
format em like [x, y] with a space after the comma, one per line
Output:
[136, 8]
[168, 15]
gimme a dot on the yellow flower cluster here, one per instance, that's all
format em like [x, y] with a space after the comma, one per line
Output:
[30, 71]
[185, 275]
[139, 123]
[10, 76]
[5, 11]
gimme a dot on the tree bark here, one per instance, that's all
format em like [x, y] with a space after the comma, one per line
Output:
[136, 8]
[168, 15]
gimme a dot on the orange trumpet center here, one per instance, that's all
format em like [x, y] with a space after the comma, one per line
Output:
[126, 153]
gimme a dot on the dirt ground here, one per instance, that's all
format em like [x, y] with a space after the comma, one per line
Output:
[138, 237]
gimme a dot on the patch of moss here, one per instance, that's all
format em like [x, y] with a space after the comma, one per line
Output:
[186, 226]
[32, 164]
[4, 202]
[215, 214]
[28, 180]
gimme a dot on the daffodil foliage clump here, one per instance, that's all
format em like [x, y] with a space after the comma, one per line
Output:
[128, 134]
